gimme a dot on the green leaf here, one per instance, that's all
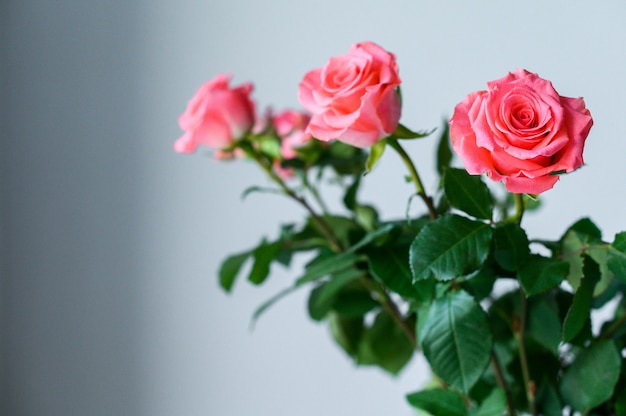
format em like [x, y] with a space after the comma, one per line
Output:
[230, 269]
[449, 247]
[263, 255]
[329, 265]
[438, 402]
[385, 344]
[494, 404]
[403, 132]
[371, 236]
[579, 312]
[347, 332]
[572, 251]
[271, 301]
[260, 189]
[353, 302]
[592, 377]
[376, 152]
[468, 193]
[349, 199]
[616, 257]
[544, 325]
[539, 274]
[511, 246]
[389, 264]
[337, 282]
[587, 227]
[444, 151]
[456, 340]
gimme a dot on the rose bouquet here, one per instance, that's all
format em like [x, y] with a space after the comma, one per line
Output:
[433, 282]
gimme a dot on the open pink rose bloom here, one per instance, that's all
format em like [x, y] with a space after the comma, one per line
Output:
[353, 97]
[520, 131]
[216, 116]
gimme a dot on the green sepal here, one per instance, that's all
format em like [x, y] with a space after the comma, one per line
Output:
[376, 152]
[403, 132]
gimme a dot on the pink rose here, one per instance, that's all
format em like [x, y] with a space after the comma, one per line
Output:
[353, 98]
[520, 131]
[216, 116]
[291, 126]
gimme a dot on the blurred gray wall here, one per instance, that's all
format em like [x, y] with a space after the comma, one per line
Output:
[110, 242]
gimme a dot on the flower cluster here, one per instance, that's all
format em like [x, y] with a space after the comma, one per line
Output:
[427, 282]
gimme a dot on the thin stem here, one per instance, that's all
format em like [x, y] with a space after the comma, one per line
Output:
[497, 369]
[521, 337]
[314, 192]
[415, 177]
[387, 303]
[614, 327]
[328, 232]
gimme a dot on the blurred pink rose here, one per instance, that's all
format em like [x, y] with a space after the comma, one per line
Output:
[216, 116]
[353, 97]
[291, 126]
[520, 131]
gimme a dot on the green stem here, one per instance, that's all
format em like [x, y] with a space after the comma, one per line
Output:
[520, 336]
[267, 167]
[520, 206]
[387, 303]
[497, 369]
[414, 176]
[314, 192]
[614, 327]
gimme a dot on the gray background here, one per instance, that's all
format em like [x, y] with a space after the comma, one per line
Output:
[110, 241]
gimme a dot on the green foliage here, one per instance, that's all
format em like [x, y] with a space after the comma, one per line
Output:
[449, 247]
[455, 337]
[438, 402]
[432, 282]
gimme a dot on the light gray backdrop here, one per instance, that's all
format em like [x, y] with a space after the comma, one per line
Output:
[110, 241]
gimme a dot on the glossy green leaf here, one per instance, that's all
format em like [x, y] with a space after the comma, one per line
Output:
[444, 151]
[579, 313]
[268, 303]
[389, 264]
[449, 247]
[230, 269]
[544, 325]
[263, 256]
[347, 332]
[548, 401]
[592, 377]
[538, 274]
[337, 282]
[468, 193]
[511, 246]
[438, 402]
[352, 302]
[494, 404]
[329, 265]
[385, 344]
[455, 337]
[376, 152]
[349, 199]
[616, 256]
